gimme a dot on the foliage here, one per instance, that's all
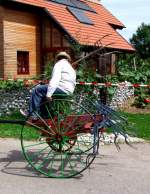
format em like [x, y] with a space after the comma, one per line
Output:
[11, 84]
[132, 68]
[48, 70]
[141, 41]
[128, 73]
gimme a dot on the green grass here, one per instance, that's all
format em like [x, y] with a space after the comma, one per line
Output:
[141, 124]
[14, 130]
[11, 130]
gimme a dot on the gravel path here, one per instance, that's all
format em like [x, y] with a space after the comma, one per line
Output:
[113, 172]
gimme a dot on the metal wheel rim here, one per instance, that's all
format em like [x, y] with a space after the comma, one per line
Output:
[77, 160]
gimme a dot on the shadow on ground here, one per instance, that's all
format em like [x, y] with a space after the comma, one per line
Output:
[14, 163]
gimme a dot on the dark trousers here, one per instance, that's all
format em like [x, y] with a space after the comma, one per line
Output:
[38, 96]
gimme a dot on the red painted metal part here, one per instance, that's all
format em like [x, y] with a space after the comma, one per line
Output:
[83, 124]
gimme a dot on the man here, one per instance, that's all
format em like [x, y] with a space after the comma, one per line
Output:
[63, 81]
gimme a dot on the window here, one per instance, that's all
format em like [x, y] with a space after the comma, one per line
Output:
[105, 65]
[80, 15]
[22, 62]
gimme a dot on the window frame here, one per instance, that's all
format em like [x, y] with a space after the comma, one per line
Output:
[25, 63]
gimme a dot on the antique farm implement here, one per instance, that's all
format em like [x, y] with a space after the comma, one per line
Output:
[65, 138]
[66, 135]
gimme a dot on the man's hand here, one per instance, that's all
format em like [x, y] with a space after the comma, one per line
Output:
[49, 98]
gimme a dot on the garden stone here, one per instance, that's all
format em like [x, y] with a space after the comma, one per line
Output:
[122, 93]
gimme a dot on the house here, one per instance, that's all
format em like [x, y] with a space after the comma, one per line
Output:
[33, 31]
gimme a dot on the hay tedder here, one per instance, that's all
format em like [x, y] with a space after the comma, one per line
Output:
[65, 138]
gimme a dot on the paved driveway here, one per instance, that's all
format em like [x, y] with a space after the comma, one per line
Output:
[113, 172]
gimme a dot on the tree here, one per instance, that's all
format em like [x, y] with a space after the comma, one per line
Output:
[141, 41]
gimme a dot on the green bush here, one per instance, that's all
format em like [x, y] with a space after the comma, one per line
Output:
[11, 85]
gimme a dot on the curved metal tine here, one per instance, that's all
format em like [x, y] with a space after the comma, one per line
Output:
[118, 121]
[113, 114]
[115, 141]
[117, 127]
[99, 40]
[129, 144]
[98, 43]
[91, 53]
[125, 135]
[118, 124]
[117, 130]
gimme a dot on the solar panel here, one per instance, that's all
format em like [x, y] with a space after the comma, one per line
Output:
[64, 2]
[75, 4]
[79, 14]
[82, 5]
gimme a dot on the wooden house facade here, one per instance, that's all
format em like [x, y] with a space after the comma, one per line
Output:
[33, 31]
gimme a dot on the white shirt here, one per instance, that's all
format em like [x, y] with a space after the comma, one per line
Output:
[63, 77]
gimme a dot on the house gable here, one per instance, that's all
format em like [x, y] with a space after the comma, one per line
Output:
[104, 23]
[33, 31]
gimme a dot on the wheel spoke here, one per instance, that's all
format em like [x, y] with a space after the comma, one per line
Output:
[46, 124]
[66, 145]
[51, 118]
[44, 161]
[39, 152]
[38, 128]
[73, 171]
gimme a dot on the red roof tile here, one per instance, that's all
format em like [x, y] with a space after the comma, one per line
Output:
[105, 14]
[86, 34]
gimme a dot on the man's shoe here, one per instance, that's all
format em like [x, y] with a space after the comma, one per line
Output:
[24, 113]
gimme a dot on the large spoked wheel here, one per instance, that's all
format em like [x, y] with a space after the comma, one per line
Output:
[62, 145]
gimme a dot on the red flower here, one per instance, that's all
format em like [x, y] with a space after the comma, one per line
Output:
[146, 100]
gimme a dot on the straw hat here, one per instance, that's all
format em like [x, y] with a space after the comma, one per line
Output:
[63, 54]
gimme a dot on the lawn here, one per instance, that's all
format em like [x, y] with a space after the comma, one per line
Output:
[14, 130]
[141, 124]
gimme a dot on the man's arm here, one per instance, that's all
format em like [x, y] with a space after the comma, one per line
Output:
[55, 79]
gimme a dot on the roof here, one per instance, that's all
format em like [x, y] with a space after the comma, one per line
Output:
[104, 24]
